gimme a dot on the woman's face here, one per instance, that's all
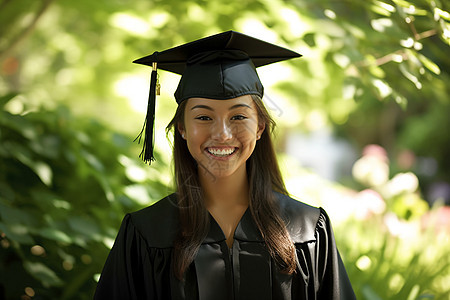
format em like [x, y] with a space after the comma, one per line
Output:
[221, 134]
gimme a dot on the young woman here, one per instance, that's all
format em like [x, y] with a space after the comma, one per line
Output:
[230, 231]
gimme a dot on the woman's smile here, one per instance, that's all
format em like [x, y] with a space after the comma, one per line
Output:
[223, 152]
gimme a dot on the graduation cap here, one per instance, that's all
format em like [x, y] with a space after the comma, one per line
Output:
[221, 66]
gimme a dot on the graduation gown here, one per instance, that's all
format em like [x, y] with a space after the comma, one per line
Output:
[139, 265]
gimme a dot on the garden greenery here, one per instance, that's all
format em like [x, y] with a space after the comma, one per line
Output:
[374, 72]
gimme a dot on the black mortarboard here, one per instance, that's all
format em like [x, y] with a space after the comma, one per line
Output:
[221, 66]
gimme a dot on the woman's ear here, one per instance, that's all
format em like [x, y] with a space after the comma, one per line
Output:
[181, 130]
[261, 128]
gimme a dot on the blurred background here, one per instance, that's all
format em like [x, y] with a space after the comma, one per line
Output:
[363, 130]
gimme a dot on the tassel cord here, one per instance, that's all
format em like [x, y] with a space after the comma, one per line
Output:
[148, 128]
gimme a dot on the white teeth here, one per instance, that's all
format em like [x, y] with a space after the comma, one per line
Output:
[221, 152]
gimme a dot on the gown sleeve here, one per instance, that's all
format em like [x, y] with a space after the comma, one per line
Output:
[126, 273]
[333, 282]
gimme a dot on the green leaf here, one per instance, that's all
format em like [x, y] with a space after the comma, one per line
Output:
[382, 87]
[17, 233]
[93, 161]
[19, 124]
[41, 169]
[55, 234]
[44, 172]
[402, 3]
[6, 98]
[410, 76]
[42, 273]
[442, 13]
[414, 292]
[85, 226]
[430, 65]
[382, 8]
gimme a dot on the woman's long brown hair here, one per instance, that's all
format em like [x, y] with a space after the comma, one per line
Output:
[264, 177]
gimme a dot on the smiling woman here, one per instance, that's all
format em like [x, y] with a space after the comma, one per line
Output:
[230, 231]
[221, 135]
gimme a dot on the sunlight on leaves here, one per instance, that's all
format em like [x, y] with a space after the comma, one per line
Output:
[363, 263]
[130, 23]
[44, 172]
[73, 102]
[55, 234]
[383, 88]
[410, 76]
[429, 64]
[42, 273]
[138, 193]
[381, 24]
[441, 13]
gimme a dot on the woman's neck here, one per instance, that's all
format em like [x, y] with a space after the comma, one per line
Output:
[225, 191]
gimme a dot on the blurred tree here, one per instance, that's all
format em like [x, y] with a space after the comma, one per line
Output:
[394, 62]
[66, 187]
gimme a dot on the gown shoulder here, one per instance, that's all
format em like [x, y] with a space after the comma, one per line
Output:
[302, 220]
[158, 223]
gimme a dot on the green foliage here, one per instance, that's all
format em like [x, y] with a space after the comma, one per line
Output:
[64, 189]
[393, 245]
[375, 71]
[385, 64]
[387, 266]
[399, 249]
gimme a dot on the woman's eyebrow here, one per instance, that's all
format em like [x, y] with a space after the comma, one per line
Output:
[202, 106]
[240, 105]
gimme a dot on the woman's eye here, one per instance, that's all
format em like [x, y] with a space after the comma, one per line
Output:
[203, 118]
[239, 117]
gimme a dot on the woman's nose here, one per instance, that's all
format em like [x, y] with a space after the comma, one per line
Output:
[221, 131]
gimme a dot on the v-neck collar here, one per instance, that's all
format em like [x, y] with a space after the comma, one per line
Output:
[246, 230]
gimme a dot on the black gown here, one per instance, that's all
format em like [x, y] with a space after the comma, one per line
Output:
[139, 264]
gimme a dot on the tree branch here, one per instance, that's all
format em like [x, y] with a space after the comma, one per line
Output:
[419, 36]
[21, 36]
[385, 59]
